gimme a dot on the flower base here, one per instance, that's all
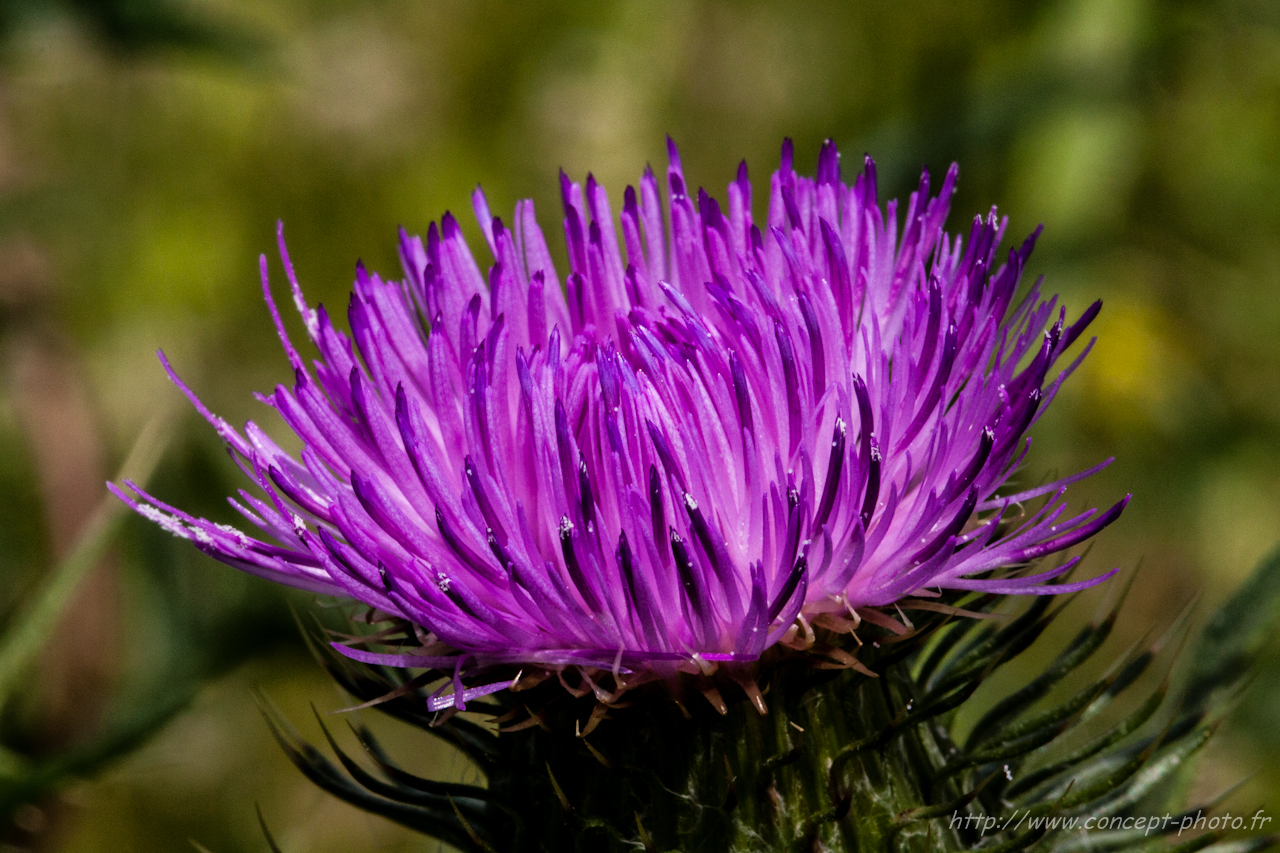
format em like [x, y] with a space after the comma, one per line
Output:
[804, 776]
[841, 761]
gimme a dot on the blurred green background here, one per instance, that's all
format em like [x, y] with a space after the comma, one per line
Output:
[147, 148]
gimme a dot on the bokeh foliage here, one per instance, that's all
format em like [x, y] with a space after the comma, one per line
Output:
[147, 148]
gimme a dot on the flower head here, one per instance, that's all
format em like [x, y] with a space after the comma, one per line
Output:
[713, 431]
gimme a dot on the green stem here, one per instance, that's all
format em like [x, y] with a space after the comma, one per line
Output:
[27, 636]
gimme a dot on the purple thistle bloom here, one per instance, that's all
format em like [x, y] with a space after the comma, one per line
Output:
[714, 435]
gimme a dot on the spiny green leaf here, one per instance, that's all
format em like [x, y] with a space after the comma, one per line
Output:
[473, 806]
[1018, 842]
[1112, 736]
[1006, 750]
[1018, 634]
[409, 780]
[1106, 783]
[1166, 762]
[1245, 845]
[1133, 670]
[441, 823]
[1086, 642]
[474, 741]
[1051, 718]
[1235, 634]
[1134, 841]
[266, 832]
[945, 641]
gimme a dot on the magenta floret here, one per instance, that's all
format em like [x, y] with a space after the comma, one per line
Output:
[713, 429]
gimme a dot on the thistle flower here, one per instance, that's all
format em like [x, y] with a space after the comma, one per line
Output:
[715, 436]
